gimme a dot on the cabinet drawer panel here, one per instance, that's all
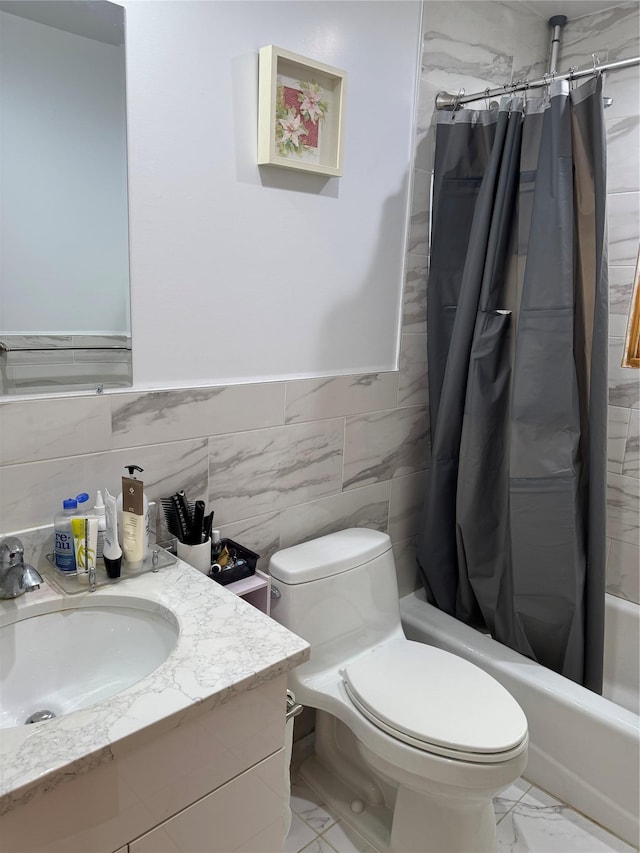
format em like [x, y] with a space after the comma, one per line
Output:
[170, 773]
[249, 807]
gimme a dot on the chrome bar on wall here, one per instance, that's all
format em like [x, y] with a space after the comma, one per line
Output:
[4, 348]
[449, 101]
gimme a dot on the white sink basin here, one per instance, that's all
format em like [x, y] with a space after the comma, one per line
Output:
[60, 656]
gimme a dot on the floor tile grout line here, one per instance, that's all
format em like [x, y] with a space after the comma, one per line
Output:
[515, 802]
[324, 840]
[363, 839]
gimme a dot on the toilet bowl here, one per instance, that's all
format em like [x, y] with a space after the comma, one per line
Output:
[411, 742]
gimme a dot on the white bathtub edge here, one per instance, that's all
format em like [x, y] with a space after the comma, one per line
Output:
[622, 655]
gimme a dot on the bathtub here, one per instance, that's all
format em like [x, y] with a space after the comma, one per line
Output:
[584, 749]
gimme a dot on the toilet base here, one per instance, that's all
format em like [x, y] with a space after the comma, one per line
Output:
[422, 824]
[442, 824]
[373, 823]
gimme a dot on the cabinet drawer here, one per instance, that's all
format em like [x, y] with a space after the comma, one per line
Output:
[247, 809]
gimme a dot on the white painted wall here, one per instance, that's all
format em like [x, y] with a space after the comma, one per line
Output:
[63, 209]
[240, 272]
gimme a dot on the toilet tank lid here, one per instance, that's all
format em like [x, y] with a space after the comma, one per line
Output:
[328, 555]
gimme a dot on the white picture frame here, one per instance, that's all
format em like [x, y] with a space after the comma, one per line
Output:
[300, 113]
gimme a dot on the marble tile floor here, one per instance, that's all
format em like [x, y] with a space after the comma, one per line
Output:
[528, 821]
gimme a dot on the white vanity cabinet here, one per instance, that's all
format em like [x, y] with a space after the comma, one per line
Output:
[209, 780]
[245, 814]
[189, 759]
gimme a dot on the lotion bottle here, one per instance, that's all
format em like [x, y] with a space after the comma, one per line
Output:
[133, 518]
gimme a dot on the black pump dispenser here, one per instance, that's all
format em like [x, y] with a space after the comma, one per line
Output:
[132, 468]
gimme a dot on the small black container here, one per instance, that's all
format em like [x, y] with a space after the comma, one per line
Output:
[233, 572]
[113, 567]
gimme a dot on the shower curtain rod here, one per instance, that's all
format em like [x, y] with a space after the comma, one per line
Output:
[448, 101]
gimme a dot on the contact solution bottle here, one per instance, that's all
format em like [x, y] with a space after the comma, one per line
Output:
[64, 551]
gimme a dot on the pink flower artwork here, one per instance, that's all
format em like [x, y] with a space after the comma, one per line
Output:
[293, 101]
[292, 129]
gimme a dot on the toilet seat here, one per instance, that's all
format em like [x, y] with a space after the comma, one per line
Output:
[436, 702]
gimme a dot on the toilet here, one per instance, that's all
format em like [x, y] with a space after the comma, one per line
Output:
[411, 742]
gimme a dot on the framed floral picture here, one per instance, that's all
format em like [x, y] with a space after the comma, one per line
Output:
[300, 113]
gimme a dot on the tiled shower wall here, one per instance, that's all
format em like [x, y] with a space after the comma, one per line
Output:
[473, 44]
[615, 35]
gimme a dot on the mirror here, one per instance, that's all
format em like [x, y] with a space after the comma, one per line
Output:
[64, 264]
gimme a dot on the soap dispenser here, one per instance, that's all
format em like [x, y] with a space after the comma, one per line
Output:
[133, 518]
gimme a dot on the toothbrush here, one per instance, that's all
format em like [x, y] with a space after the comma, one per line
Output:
[196, 525]
[207, 527]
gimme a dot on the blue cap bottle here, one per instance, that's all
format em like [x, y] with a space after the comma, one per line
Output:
[65, 556]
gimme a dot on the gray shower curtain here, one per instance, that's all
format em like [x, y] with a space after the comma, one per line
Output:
[513, 530]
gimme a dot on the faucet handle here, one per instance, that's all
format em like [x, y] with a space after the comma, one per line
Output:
[11, 552]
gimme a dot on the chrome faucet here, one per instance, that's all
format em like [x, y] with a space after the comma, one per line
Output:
[16, 576]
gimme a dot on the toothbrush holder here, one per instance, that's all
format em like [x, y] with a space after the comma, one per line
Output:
[198, 556]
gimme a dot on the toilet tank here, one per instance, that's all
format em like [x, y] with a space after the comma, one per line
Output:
[339, 593]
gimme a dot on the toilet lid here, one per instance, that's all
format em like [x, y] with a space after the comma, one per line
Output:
[436, 701]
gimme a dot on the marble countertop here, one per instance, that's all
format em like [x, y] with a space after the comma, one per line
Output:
[225, 647]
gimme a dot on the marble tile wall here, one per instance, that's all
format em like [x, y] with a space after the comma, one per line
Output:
[611, 35]
[473, 44]
[278, 462]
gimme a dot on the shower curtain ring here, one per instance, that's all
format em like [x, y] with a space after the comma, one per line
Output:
[486, 98]
[596, 63]
[456, 100]
[514, 88]
[572, 79]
